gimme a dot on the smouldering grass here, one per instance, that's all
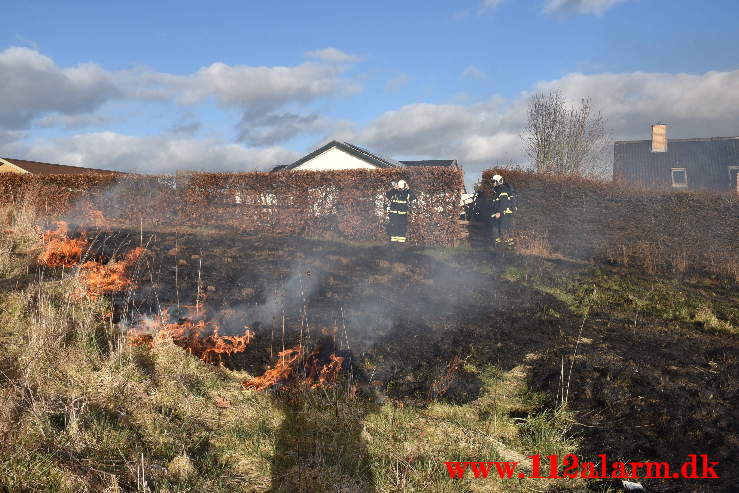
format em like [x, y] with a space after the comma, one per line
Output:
[83, 411]
[80, 410]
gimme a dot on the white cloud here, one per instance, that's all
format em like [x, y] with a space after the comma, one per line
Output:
[472, 72]
[37, 91]
[257, 92]
[470, 133]
[332, 55]
[258, 88]
[157, 154]
[694, 105]
[32, 85]
[581, 6]
[245, 86]
[483, 134]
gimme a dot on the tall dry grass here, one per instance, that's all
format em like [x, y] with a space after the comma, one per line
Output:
[81, 411]
[18, 233]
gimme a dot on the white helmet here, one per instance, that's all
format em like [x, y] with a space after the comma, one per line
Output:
[497, 179]
[402, 184]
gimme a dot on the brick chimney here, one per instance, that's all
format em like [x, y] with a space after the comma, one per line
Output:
[659, 137]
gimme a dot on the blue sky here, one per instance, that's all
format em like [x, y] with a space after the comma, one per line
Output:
[157, 86]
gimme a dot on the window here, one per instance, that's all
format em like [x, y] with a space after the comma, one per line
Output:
[733, 171]
[679, 178]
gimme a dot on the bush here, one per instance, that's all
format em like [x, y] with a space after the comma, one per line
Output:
[349, 202]
[659, 231]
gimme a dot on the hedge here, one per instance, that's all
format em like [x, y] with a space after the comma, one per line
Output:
[657, 230]
[309, 203]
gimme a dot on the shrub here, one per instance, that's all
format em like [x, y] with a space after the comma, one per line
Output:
[659, 231]
[350, 202]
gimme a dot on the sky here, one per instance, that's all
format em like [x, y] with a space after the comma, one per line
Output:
[243, 85]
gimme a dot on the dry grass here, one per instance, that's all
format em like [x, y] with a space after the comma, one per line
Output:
[533, 243]
[81, 410]
[18, 233]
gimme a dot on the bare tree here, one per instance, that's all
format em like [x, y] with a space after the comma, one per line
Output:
[566, 139]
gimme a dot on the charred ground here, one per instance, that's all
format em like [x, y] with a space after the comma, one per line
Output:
[652, 378]
[451, 339]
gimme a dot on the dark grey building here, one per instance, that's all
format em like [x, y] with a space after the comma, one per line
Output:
[681, 164]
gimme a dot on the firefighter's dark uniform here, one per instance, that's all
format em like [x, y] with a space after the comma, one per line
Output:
[397, 226]
[480, 213]
[504, 203]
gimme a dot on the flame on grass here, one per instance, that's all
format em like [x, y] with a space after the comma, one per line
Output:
[100, 279]
[97, 278]
[200, 338]
[60, 250]
[293, 366]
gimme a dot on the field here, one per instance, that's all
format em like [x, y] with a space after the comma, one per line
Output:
[447, 354]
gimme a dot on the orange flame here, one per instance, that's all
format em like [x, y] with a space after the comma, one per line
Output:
[330, 371]
[287, 361]
[291, 364]
[101, 279]
[211, 348]
[60, 250]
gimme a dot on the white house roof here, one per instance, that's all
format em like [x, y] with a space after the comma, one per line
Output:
[372, 158]
[356, 151]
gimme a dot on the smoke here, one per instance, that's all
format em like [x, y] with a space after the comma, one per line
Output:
[386, 310]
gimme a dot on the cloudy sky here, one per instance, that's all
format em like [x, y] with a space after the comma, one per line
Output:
[245, 85]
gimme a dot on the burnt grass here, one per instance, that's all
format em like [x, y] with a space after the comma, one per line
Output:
[643, 387]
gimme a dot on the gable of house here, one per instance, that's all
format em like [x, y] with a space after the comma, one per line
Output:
[339, 155]
[334, 158]
[342, 155]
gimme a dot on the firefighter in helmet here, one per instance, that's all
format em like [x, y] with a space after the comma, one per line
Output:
[503, 205]
[400, 198]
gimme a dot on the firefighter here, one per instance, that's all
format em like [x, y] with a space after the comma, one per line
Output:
[400, 198]
[502, 206]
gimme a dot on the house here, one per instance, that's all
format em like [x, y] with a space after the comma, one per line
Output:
[8, 165]
[342, 155]
[680, 164]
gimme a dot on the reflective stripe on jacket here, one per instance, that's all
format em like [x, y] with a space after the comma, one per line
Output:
[503, 200]
[400, 200]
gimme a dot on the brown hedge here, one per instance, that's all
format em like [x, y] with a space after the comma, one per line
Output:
[657, 230]
[349, 202]
[50, 193]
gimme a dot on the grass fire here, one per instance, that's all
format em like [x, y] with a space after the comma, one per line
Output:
[199, 338]
[144, 354]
